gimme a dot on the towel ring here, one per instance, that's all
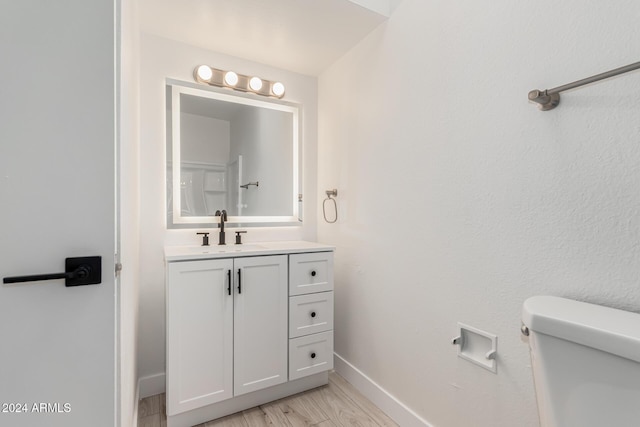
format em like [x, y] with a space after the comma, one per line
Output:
[330, 193]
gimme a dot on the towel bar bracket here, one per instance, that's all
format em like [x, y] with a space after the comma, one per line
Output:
[544, 100]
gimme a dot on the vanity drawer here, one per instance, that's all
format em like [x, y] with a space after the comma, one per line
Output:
[309, 273]
[310, 314]
[310, 355]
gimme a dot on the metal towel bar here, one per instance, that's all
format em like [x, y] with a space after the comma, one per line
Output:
[549, 99]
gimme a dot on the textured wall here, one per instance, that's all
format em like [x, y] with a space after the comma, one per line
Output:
[458, 199]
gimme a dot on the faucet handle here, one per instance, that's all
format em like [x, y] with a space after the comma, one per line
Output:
[239, 237]
[205, 239]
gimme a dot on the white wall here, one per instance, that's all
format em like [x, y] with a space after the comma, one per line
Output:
[263, 138]
[458, 199]
[209, 139]
[161, 59]
[244, 130]
[129, 212]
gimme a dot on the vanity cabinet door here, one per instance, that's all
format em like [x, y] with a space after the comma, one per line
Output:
[260, 323]
[199, 334]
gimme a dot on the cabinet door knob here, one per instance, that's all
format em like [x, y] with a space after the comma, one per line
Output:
[229, 281]
[313, 273]
[239, 280]
[313, 314]
[313, 355]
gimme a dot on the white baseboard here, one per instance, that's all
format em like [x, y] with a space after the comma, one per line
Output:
[151, 385]
[391, 406]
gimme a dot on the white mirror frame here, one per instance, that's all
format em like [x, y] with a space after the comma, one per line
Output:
[179, 221]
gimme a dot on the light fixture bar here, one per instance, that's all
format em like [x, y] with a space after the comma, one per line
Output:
[215, 77]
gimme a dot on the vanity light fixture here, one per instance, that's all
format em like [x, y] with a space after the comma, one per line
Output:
[255, 84]
[204, 72]
[231, 78]
[215, 77]
[277, 89]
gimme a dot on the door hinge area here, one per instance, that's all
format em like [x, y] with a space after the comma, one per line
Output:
[118, 269]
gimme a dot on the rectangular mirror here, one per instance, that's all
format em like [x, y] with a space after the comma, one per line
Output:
[231, 151]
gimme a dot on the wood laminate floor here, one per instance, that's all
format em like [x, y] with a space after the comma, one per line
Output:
[337, 404]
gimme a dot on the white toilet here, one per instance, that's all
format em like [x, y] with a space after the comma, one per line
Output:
[586, 363]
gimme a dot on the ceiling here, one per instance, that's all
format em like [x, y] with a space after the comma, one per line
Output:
[304, 36]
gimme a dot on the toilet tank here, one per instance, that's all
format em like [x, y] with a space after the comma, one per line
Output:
[586, 363]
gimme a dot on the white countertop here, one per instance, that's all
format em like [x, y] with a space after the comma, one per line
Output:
[183, 253]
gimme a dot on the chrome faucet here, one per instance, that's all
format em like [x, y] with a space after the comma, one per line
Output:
[223, 217]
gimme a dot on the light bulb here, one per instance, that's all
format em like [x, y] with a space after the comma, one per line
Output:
[255, 83]
[231, 78]
[277, 89]
[204, 72]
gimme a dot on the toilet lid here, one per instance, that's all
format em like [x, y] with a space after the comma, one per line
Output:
[604, 328]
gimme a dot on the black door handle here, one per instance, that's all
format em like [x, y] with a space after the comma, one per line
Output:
[229, 285]
[239, 280]
[77, 272]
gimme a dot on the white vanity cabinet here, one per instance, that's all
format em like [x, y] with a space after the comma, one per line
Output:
[226, 329]
[245, 327]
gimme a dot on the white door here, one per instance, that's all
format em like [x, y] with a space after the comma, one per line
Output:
[57, 200]
[199, 334]
[260, 323]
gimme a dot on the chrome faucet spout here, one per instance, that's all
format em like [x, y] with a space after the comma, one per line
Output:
[223, 217]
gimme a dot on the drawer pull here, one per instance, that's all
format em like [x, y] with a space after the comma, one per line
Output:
[313, 273]
[313, 314]
[313, 355]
